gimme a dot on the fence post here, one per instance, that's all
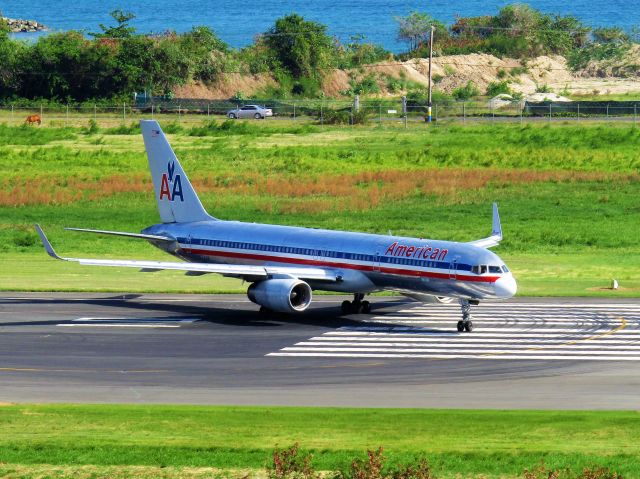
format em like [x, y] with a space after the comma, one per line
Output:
[321, 116]
[294, 110]
[578, 111]
[380, 113]
[607, 111]
[12, 119]
[464, 112]
[549, 111]
[66, 119]
[124, 112]
[41, 113]
[179, 113]
[208, 111]
[152, 105]
[635, 112]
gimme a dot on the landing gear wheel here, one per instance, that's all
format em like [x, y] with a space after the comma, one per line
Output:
[366, 307]
[346, 307]
[468, 326]
[460, 326]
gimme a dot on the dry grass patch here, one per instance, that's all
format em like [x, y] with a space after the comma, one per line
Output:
[42, 471]
[362, 190]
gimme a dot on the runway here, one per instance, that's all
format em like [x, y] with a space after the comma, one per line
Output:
[554, 353]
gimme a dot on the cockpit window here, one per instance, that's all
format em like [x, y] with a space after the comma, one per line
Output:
[504, 268]
[479, 269]
[495, 269]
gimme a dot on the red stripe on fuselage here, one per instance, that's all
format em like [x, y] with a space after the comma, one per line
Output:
[359, 267]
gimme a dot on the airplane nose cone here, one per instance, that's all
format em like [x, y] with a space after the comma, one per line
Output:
[506, 287]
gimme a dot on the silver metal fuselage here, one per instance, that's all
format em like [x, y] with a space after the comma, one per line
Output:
[364, 262]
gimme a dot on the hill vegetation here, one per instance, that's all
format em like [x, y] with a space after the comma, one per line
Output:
[296, 53]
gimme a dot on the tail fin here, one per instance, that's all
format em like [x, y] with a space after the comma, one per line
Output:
[176, 198]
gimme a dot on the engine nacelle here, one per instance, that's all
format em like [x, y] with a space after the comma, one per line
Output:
[282, 295]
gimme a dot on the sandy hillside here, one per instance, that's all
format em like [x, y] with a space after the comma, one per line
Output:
[451, 72]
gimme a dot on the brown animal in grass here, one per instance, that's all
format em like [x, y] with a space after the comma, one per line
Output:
[31, 119]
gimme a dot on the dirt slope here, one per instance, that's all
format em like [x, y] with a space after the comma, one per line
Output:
[451, 72]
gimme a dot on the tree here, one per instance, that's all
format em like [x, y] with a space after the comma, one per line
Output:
[301, 47]
[415, 29]
[205, 52]
[610, 35]
[121, 30]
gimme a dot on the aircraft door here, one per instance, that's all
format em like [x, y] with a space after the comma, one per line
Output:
[453, 269]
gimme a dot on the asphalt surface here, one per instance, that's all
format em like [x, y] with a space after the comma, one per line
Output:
[526, 353]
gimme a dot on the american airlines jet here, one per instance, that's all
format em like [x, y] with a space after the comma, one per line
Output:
[285, 264]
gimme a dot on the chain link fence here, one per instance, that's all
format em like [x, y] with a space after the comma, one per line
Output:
[321, 112]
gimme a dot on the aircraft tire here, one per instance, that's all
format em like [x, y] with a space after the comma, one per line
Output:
[346, 307]
[460, 326]
[468, 326]
[366, 307]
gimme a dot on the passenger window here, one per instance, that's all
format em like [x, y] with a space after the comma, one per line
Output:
[475, 269]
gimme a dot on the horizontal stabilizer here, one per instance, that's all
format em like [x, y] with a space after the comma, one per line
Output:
[125, 234]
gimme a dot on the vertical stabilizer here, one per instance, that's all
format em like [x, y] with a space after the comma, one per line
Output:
[176, 198]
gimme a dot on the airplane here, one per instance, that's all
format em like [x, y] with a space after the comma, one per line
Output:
[285, 264]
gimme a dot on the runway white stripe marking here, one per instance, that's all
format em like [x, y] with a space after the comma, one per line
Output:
[93, 322]
[454, 356]
[113, 325]
[595, 344]
[519, 331]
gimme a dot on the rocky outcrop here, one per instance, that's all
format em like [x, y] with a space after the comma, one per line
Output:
[24, 26]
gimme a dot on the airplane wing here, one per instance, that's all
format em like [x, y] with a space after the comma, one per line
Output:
[243, 271]
[496, 232]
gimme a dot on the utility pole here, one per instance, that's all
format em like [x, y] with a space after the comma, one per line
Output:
[430, 58]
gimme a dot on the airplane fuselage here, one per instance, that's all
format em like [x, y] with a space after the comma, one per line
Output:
[364, 262]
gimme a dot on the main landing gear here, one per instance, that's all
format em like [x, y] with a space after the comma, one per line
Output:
[356, 306]
[466, 324]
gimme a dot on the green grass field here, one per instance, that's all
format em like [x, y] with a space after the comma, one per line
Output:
[568, 195]
[458, 443]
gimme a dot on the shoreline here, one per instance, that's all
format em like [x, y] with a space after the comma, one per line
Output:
[17, 25]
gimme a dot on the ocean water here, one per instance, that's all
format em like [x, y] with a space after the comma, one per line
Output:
[237, 22]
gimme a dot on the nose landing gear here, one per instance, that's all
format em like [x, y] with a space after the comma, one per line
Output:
[356, 306]
[465, 324]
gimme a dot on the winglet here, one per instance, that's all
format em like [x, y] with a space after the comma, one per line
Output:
[45, 242]
[496, 227]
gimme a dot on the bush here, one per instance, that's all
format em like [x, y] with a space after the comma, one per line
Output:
[544, 88]
[497, 88]
[290, 463]
[344, 117]
[466, 92]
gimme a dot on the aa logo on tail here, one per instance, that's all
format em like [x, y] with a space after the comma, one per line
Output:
[171, 186]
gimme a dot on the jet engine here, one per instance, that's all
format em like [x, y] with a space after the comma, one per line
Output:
[286, 295]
